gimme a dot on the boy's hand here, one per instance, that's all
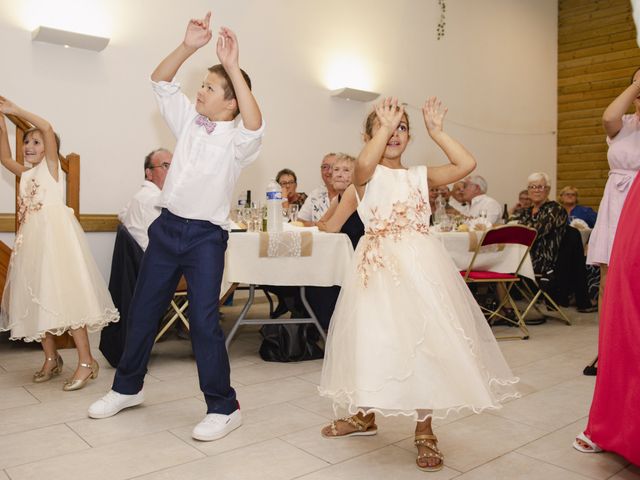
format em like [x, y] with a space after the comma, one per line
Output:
[227, 48]
[433, 113]
[389, 114]
[198, 33]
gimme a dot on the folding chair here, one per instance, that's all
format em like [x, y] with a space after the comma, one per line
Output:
[177, 307]
[180, 303]
[496, 236]
[541, 294]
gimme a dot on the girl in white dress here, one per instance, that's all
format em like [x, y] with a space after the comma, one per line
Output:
[407, 337]
[53, 284]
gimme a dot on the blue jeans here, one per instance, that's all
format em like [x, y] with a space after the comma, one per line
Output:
[196, 249]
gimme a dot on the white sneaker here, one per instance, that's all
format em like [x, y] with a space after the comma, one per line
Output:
[113, 402]
[216, 425]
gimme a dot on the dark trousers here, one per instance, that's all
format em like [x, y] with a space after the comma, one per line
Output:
[196, 249]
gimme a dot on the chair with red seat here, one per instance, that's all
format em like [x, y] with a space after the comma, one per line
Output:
[498, 237]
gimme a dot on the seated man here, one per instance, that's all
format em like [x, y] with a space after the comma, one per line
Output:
[320, 198]
[475, 194]
[143, 208]
[456, 200]
[131, 241]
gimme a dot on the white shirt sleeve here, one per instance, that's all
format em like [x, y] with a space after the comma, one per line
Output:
[247, 144]
[494, 211]
[174, 106]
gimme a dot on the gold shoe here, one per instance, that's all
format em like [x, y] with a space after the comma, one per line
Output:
[79, 383]
[44, 376]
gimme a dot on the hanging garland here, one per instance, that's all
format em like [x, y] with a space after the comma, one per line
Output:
[442, 22]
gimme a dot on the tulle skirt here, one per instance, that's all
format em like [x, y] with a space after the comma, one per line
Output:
[413, 339]
[53, 283]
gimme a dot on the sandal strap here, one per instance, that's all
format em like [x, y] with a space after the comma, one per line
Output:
[86, 365]
[357, 423]
[426, 437]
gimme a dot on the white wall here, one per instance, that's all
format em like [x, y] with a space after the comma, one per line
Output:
[495, 69]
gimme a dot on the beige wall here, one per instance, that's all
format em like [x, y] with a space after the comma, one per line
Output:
[495, 69]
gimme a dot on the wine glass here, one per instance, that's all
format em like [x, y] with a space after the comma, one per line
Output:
[292, 212]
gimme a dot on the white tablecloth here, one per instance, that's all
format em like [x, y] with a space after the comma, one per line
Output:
[505, 261]
[329, 261]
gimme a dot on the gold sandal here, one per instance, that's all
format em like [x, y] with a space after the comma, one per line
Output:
[429, 442]
[44, 376]
[362, 427]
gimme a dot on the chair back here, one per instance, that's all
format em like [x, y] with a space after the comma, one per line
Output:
[505, 235]
[509, 234]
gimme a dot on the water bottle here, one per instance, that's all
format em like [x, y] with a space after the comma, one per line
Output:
[274, 207]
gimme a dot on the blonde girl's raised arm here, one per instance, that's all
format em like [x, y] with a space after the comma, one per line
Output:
[5, 151]
[462, 162]
[389, 115]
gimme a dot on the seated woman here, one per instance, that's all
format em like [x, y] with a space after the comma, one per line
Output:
[330, 222]
[555, 255]
[341, 217]
[568, 198]
[288, 181]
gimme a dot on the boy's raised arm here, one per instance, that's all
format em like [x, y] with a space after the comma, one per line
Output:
[197, 35]
[228, 52]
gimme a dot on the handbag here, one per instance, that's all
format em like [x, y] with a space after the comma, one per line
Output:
[294, 342]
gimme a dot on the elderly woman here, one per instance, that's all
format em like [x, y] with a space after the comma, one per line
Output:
[558, 247]
[288, 181]
[548, 218]
[568, 198]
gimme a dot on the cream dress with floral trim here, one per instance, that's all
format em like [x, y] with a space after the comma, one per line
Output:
[53, 283]
[407, 334]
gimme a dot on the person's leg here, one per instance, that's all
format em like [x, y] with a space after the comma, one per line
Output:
[203, 264]
[156, 284]
[52, 364]
[81, 339]
[429, 457]
[604, 268]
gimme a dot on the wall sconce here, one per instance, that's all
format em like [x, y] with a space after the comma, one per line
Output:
[69, 39]
[354, 94]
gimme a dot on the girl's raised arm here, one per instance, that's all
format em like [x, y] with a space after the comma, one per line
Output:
[461, 160]
[333, 222]
[389, 116]
[5, 151]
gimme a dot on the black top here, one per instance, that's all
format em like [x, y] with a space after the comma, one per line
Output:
[353, 227]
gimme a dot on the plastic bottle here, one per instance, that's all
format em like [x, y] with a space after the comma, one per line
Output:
[274, 207]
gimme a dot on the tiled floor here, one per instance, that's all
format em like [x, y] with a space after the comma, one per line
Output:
[45, 433]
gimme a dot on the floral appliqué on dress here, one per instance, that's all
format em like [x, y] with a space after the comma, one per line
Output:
[26, 204]
[409, 216]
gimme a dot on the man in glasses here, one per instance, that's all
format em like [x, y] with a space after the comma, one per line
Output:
[143, 208]
[320, 198]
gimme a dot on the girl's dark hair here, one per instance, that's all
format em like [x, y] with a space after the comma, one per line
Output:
[31, 130]
[371, 118]
[286, 171]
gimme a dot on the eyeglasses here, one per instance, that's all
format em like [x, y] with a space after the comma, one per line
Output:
[537, 187]
[287, 184]
[325, 167]
[164, 165]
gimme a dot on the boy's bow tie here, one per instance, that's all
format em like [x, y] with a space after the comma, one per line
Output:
[208, 125]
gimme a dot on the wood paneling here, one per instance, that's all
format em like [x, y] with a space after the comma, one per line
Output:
[597, 54]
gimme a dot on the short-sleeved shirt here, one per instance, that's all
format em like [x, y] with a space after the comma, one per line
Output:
[205, 167]
[315, 206]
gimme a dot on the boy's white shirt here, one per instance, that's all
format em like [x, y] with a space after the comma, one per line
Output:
[205, 167]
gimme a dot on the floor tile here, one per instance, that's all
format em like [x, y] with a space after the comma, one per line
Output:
[119, 461]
